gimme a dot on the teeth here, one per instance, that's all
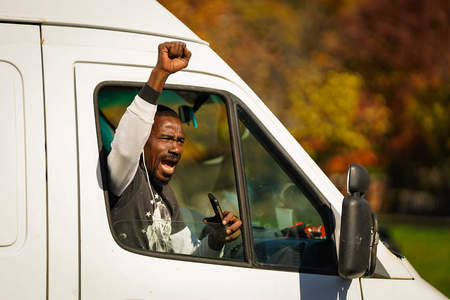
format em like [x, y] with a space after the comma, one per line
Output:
[169, 164]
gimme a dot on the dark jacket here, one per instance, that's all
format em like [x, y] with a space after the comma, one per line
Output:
[130, 215]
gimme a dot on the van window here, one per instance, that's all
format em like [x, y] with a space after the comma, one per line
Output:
[12, 160]
[206, 165]
[288, 231]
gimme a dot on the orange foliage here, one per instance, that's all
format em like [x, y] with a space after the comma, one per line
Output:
[352, 80]
[339, 163]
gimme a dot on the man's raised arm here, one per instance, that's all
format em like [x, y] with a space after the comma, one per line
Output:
[135, 126]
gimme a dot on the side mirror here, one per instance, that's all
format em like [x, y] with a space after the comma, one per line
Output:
[359, 229]
[358, 179]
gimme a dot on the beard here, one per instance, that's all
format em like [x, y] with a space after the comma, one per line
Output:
[158, 181]
[156, 171]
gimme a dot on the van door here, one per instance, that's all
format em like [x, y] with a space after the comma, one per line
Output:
[112, 270]
[23, 253]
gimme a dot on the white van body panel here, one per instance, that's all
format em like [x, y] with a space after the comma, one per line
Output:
[23, 251]
[147, 16]
[374, 289]
[13, 223]
[416, 288]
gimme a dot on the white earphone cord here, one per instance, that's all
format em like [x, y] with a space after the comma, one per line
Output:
[148, 179]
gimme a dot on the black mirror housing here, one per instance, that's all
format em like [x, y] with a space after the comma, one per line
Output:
[354, 244]
[358, 179]
[358, 237]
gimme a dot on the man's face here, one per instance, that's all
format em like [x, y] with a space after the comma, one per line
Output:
[164, 148]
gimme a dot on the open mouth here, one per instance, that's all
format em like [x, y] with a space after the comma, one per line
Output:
[168, 166]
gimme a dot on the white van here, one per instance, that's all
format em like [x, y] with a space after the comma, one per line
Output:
[68, 71]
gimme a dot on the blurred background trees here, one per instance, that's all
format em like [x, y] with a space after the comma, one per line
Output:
[353, 80]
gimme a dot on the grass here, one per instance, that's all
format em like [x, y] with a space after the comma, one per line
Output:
[426, 244]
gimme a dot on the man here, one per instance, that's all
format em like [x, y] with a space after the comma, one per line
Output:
[146, 149]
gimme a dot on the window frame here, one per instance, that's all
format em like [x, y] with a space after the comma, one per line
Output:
[285, 161]
[276, 151]
[103, 167]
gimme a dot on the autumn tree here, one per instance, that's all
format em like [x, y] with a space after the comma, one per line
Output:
[402, 49]
[354, 81]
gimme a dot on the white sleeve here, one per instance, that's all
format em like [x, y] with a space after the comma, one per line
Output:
[186, 242]
[129, 140]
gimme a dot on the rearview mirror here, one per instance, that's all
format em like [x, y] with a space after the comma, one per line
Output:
[359, 229]
[186, 114]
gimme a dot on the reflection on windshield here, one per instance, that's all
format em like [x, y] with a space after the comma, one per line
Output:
[287, 228]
